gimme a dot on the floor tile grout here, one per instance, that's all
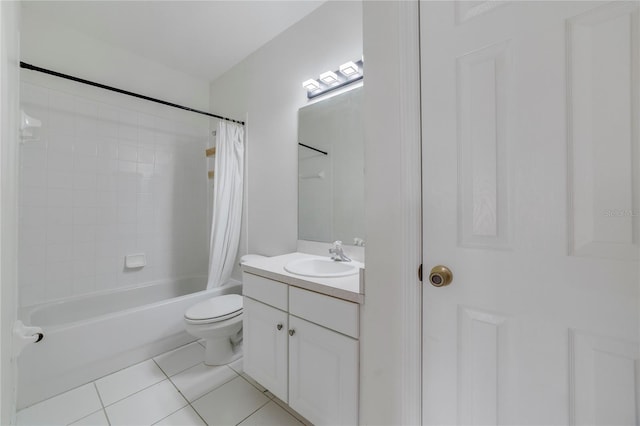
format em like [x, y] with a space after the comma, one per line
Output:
[255, 411]
[183, 397]
[101, 403]
[176, 349]
[216, 388]
[134, 393]
[259, 390]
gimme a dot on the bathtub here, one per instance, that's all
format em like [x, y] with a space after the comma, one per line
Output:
[88, 337]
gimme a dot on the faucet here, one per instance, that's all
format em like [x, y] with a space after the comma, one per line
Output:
[338, 253]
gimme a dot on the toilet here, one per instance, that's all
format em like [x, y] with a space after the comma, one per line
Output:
[219, 322]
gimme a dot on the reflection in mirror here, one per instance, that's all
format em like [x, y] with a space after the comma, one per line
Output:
[331, 170]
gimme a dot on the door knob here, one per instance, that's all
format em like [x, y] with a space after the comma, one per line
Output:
[440, 276]
[292, 332]
[279, 326]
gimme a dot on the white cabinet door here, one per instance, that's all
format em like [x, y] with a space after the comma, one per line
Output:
[323, 374]
[531, 177]
[265, 346]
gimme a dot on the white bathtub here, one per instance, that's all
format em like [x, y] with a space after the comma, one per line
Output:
[88, 337]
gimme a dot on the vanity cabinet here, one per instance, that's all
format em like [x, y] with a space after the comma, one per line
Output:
[265, 346]
[302, 346]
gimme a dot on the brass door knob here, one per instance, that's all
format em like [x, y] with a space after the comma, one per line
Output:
[440, 276]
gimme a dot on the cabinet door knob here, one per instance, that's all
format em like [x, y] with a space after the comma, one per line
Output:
[279, 326]
[292, 332]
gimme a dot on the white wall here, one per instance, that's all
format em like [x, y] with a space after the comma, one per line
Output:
[266, 87]
[110, 175]
[9, 78]
[44, 43]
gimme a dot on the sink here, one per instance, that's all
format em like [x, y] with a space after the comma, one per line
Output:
[321, 267]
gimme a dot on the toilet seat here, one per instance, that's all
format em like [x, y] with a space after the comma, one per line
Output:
[216, 309]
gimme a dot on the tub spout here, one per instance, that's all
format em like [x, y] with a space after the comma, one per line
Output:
[23, 336]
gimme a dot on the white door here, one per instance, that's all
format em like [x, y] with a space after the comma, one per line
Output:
[532, 199]
[323, 374]
[264, 331]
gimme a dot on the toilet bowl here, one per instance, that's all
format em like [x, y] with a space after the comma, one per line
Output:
[219, 322]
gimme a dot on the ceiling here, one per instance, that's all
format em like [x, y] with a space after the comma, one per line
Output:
[201, 38]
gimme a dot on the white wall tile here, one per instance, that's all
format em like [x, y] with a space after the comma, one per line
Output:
[59, 252]
[85, 146]
[34, 159]
[84, 215]
[127, 166]
[105, 182]
[106, 165]
[34, 177]
[84, 234]
[60, 143]
[108, 148]
[34, 95]
[59, 161]
[127, 152]
[83, 164]
[61, 234]
[56, 179]
[34, 197]
[59, 197]
[84, 180]
[62, 215]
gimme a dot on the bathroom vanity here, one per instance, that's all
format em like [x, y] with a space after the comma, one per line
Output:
[301, 337]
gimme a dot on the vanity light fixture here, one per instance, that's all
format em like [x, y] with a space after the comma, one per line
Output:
[348, 73]
[311, 85]
[329, 77]
[349, 68]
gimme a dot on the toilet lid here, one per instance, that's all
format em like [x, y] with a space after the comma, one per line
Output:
[217, 308]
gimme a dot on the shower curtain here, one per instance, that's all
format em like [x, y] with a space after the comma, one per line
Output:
[227, 202]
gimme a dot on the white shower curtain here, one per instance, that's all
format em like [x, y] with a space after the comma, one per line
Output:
[227, 202]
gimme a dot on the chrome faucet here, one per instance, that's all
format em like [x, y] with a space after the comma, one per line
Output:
[338, 252]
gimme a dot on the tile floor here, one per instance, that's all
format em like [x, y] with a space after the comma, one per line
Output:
[175, 388]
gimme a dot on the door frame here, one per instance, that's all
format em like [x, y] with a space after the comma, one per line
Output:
[411, 187]
[9, 137]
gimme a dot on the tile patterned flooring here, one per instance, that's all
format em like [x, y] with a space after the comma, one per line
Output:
[175, 388]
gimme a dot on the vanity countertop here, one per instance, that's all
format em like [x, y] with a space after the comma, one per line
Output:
[349, 288]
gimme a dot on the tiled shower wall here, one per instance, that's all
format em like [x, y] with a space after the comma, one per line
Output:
[102, 182]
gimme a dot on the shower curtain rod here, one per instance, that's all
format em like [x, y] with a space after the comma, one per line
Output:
[124, 92]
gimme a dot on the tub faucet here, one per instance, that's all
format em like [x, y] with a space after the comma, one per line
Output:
[338, 253]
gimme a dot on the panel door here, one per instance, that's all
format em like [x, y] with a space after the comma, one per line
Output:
[265, 346]
[531, 198]
[323, 374]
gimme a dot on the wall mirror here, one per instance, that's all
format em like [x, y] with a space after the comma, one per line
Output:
[331, 170]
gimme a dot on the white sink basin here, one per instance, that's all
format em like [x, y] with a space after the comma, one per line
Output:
[321, 267]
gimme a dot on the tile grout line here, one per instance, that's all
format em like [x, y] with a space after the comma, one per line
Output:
[255, 411]
[216, 388]
[264, 392]
[136, 392]
[104, 410]
[183, 397]
[286, 407]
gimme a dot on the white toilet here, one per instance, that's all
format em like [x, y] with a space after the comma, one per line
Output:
[219, 322]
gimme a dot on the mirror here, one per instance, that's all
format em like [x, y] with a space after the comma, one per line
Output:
[331, 170]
